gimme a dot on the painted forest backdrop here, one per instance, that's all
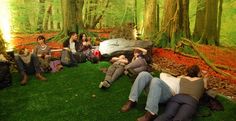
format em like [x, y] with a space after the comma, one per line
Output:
[206, 21]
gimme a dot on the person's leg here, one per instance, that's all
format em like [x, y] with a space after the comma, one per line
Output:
[118, 72]
[106, 82]
[20, 64]
[22, 69]
[36, 64]
[142, 80]
[159, 92]
[171, 109]
[111, 69]
[187, 109]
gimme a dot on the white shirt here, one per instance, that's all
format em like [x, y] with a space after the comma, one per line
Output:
[171, 81]
[72, 47]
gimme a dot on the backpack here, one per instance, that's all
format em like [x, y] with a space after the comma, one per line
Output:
[55, 65]
[5, 75]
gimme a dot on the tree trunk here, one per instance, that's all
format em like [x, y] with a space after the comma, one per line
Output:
[72, 15]
[200, 20]
[211, 22]
[41, 15]
[150, 24]
[140, 15]
[184, 10]
[176, 20]
[219, 22]
[47, 17]
[158, 17]
[206, 23]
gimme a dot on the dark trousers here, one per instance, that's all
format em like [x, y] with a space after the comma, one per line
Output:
[29, 68]
[180, 107]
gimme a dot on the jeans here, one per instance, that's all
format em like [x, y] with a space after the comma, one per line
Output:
[30, 68]
[159, 91]
[181, 107]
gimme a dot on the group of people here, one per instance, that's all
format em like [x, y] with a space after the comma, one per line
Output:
[181, 93]
[38, 61]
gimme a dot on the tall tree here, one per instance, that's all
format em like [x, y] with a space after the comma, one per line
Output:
[72, 15]
[41, 15]
[200, 19]
[48, 18]
[150, 20]
[208, 22]
[176, 20]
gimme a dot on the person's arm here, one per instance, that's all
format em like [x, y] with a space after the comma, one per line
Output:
[114, 59]
[66, 45]
[124, 60]
[49, 53]
[142, 49]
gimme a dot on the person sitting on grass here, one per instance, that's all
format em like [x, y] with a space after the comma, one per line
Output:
[28, 63]
[114, 71]
[43, 52]
[160, 90]
[183, 106]
[72, 51]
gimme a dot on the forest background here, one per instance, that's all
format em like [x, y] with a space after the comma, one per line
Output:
[196, 19]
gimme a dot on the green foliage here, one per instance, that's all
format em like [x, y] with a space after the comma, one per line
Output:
[162, 41]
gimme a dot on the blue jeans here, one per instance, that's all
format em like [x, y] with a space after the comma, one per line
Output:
[158, 91]
[32, 67]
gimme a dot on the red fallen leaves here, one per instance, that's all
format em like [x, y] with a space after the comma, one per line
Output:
[188, 61]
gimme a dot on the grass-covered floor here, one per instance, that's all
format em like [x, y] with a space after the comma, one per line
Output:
[68, 96]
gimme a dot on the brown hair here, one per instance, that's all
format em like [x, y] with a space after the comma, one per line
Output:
[193, 71]
[41, 37]
[138, 51]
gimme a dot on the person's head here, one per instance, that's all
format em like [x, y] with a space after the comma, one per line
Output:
[137, 52]
[193, 71]
[41, 39]
[73, 36]
[82, 37]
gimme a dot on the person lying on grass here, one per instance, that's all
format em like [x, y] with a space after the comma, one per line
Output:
[119, 66]
[160, 90]
[114, 71]
[183, 106]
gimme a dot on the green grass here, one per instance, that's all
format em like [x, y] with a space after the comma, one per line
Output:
[67, 96]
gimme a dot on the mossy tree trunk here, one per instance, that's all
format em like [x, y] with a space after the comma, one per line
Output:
[41, 15]
[200, 20]
[150, 18]
[208, 22]
[176, 20]
[48, 18]
[72, 15]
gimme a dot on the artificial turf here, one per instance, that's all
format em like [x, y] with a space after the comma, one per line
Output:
[73, 95]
